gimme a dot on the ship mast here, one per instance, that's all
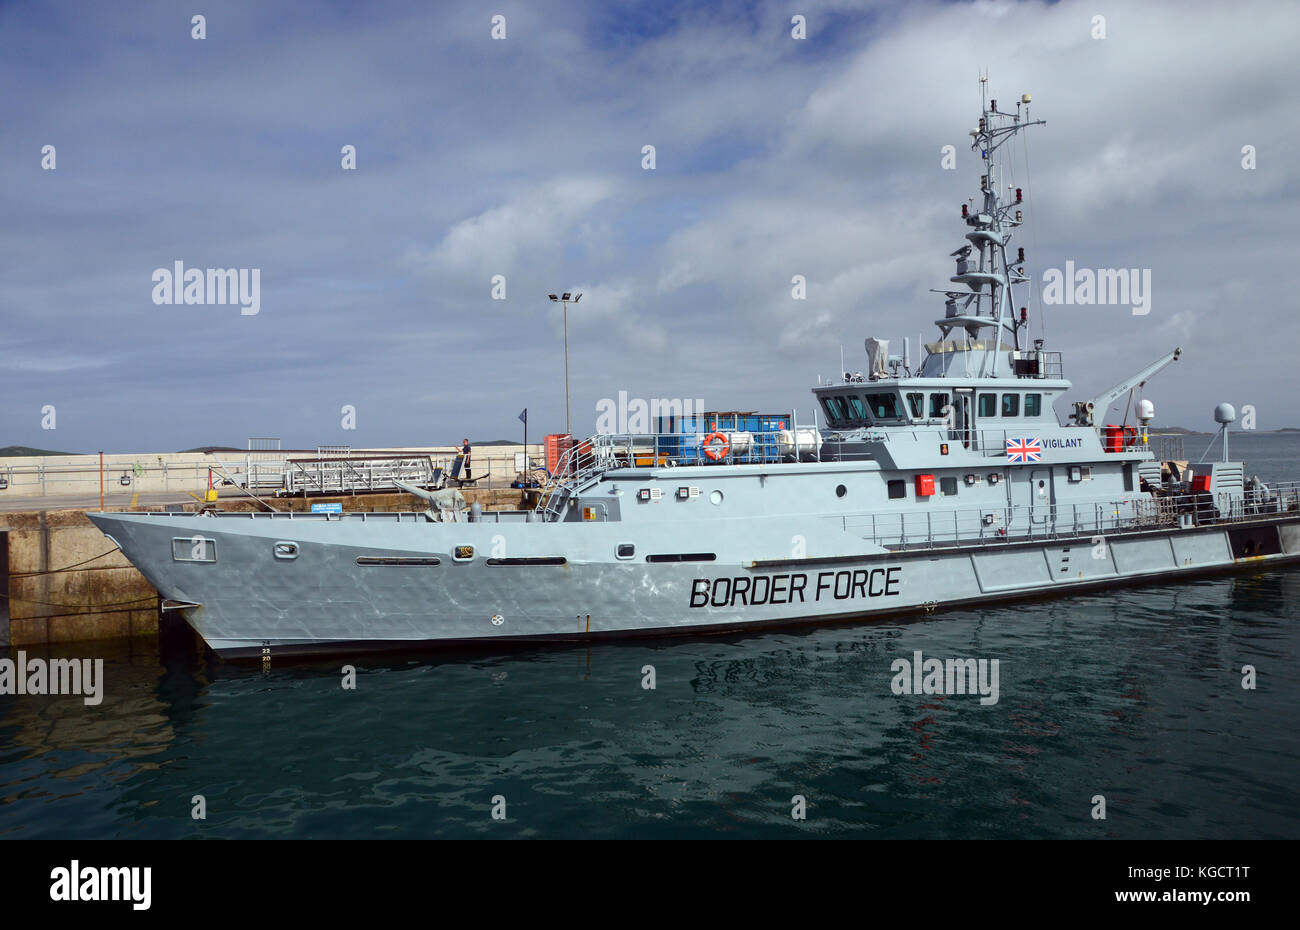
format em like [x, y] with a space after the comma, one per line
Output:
[991, 225]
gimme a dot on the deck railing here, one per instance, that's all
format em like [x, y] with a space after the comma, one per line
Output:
[923, 528]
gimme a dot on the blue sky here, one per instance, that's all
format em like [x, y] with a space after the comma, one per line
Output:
[522, 157]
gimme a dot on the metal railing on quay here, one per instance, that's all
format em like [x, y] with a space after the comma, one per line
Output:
[342, 474]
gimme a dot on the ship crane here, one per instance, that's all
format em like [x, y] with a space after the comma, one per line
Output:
[1085, 409]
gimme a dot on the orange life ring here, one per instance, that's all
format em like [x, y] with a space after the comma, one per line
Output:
[716, 453]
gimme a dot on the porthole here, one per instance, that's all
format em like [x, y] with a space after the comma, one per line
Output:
[625, 550]
[715, 497]
[841, 490]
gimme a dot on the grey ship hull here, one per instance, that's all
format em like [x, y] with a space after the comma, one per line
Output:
[248, 602]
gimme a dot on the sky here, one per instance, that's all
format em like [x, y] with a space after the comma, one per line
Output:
[522, 157]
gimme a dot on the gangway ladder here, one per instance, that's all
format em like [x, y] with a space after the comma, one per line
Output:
[571, 473]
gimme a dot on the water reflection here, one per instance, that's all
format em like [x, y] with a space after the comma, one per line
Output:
[1134, 694]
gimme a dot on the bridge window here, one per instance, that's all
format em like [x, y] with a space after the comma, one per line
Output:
[1033, 405]
[1011, 405]
[917, 404]
[834, 408]
[937, 403]
[884, 406]
[897, 489]
[988, 405]
[856, 410]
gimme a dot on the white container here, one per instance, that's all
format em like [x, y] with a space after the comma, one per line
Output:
[810, 441]
[741, 442]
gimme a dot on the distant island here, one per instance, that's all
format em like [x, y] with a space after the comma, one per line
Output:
[1181, 431]
[10, 451]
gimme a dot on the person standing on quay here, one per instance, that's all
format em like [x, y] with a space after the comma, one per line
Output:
[464, 451]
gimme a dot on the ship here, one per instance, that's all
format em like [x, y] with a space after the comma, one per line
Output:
[915, 488]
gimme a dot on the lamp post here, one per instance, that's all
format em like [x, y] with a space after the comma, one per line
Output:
[565, 299]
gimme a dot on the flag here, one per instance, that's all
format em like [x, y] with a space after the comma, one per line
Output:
[523, 417]
[1024, 449]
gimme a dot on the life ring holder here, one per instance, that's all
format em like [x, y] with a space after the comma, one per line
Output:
[716, 453]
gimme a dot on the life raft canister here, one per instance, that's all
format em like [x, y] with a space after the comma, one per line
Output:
[716, 452]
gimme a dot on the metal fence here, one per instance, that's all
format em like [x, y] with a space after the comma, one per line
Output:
[269, 472]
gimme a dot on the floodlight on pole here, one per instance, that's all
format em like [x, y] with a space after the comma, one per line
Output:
[565, 299]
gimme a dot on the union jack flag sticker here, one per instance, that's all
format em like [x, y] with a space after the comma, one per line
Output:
[1024, 449]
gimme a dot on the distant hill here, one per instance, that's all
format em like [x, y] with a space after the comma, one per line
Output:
[6, 451]
[204, 450]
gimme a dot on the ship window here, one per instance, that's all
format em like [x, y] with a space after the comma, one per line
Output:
[397, 560]
[988, 405]
[682, 557]
[897, 489]
[948, 486]
[883, 406]
[840, 490]
[1011, 405]
[856, 411]
[834, 408]
[937, 403]
[194, 549]
[1128, 477]
[625, 550]
[917, 403]
[531, 560]
[1033, 404]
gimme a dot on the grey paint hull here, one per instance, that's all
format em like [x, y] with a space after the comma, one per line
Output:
[322, 599]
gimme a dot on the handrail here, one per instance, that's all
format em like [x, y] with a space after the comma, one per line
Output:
[925, 528]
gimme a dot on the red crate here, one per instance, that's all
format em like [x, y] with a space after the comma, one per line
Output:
[924, 485]
[557, 444]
